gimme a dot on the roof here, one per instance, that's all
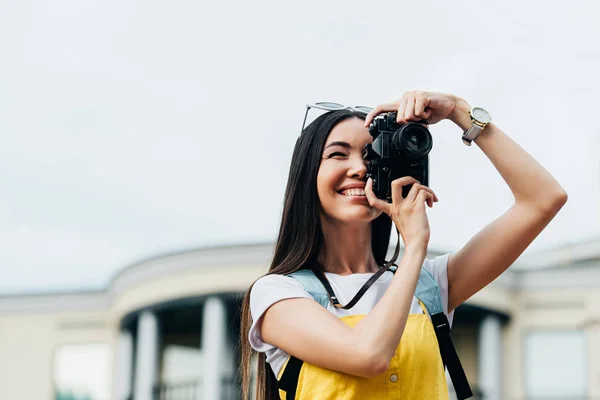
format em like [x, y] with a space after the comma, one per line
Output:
[583, 255]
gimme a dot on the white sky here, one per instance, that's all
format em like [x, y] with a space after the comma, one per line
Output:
[132, 128]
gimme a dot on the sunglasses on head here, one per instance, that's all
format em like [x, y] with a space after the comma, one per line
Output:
[328, 106]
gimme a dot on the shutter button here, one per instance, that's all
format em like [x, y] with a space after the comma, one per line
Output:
[394, 378]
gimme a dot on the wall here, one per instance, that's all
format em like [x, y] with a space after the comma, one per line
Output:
[28, 342]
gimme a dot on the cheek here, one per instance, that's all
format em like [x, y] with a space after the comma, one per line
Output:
[326, 180]
[321, 184]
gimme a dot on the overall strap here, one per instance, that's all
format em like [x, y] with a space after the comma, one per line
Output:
[428, 292]
[289, 379]
[312, 285]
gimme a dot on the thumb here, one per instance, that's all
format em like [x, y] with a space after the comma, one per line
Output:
[373, 200]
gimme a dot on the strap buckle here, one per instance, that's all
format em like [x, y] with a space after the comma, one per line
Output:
[440, 323]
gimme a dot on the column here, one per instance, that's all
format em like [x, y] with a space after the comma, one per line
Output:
[124, 365]
[146, 370]
[593, 339]
[213, 348]
[490, 358]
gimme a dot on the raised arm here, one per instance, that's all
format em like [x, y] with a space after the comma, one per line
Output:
[538, 198]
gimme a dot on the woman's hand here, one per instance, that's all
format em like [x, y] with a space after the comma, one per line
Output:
[407, 213]
[431, 107]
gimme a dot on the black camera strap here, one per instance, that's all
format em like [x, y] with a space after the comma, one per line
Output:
[390, 265]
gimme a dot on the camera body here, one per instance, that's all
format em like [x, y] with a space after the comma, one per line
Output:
[397, 151]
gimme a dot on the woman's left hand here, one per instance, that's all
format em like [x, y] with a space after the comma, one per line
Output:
[430, 107]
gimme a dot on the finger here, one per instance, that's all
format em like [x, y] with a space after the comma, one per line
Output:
[421, 103]
[413, 192]
[409, 111]
[424, 196]
[373, 200]
[400, 117]
[393, 106]
[415, 189]
[397, 185]
[429, 199]
[430, 190]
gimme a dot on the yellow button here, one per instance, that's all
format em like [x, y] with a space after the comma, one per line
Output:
[394, 378]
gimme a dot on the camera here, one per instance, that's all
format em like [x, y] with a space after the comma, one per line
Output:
[397, 151]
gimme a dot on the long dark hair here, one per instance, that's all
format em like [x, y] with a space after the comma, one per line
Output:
[300, 236]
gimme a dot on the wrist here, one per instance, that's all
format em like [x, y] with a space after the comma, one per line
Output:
[461, 114]
[416, 249]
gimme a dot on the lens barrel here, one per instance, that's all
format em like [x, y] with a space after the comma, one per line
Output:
[413, 140]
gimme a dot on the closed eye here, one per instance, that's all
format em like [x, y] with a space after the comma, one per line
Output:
[336, 154]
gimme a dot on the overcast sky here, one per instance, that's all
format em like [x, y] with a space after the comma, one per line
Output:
[133, 128]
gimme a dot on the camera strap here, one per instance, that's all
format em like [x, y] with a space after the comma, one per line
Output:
[388, 266]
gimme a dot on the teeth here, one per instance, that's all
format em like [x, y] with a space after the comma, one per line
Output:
[353, 192]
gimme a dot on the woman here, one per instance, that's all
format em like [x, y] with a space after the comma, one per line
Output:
[384, 347]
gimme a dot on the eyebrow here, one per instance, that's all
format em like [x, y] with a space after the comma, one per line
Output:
[341, 144]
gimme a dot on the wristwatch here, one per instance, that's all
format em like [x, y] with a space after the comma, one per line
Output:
[479, 119]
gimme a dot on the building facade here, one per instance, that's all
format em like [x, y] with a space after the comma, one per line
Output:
[168, 327]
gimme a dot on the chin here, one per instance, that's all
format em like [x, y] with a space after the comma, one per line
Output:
[366, 215]
[344, 209]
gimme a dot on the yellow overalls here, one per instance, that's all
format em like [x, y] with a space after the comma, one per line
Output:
[416, 370]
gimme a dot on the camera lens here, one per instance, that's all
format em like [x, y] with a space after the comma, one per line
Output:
[415, 142]
[413, 139]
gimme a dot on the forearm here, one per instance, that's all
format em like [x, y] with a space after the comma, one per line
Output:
[529, 182]
[382, 328]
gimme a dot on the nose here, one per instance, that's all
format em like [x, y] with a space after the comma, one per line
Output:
[358, 168]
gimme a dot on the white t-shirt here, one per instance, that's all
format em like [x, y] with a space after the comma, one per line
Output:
[270, 289]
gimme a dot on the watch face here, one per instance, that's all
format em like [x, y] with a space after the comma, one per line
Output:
[481, 115]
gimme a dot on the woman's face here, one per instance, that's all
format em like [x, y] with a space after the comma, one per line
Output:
[342, 165]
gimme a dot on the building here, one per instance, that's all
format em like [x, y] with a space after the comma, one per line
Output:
[166, 328]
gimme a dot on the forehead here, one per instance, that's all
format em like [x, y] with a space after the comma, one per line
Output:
[351, 131]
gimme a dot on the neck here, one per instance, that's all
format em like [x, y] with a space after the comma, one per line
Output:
[346, 248]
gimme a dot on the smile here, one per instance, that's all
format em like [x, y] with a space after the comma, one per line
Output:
[353, 192]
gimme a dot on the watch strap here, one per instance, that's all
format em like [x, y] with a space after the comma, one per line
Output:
[472, 133]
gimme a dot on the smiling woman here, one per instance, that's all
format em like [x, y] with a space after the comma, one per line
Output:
[340, 181]
[331, 250]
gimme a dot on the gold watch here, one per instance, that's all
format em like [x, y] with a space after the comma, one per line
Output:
[479, 120]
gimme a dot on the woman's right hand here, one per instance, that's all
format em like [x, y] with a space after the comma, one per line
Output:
[407, 213]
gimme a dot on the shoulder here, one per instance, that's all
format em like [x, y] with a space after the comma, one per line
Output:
[272, 288]
[275, 282]
[265, 292]
[438, 267]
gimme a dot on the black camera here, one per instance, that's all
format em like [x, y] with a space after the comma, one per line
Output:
[397, 151]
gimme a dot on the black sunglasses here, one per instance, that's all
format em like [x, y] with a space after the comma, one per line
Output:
[328, 106]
